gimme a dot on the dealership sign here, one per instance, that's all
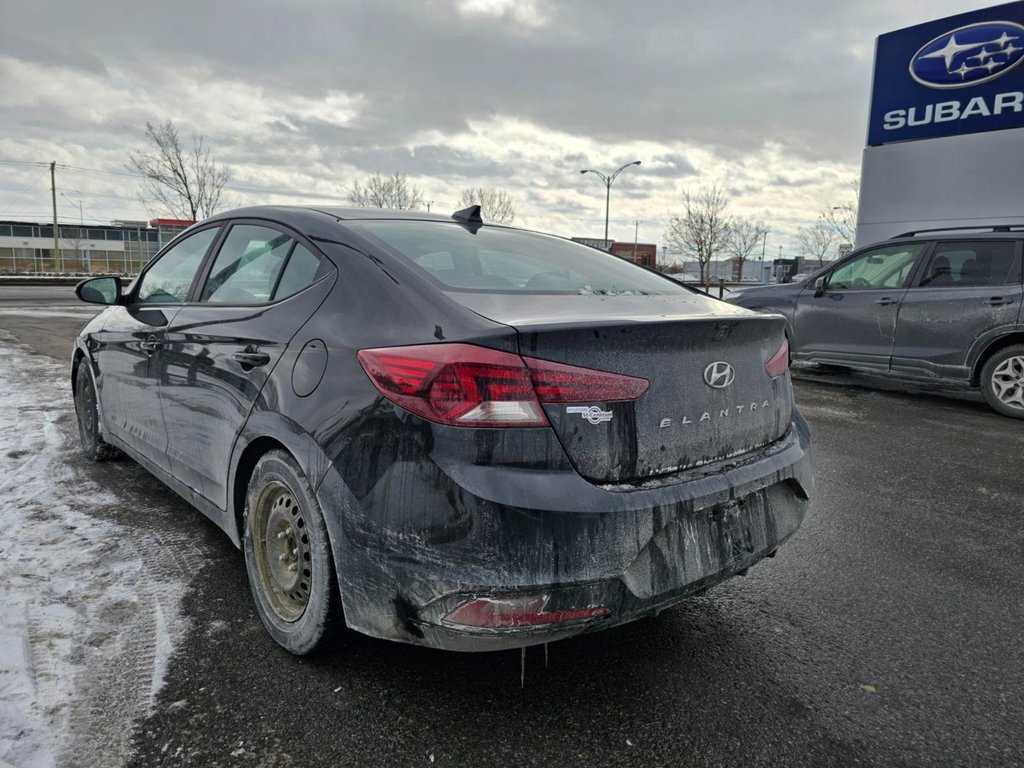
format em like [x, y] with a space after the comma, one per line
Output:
[958, 75]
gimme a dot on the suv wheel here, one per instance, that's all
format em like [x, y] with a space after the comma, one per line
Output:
[1002, 381]
[288, 555]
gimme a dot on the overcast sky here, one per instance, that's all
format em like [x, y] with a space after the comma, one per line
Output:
[302, 98]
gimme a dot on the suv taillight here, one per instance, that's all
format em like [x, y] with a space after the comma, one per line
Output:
[468, 386]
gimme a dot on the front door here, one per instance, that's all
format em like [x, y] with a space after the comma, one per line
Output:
[222, 347]
[852, 321]
[969, 289]
[130, 353]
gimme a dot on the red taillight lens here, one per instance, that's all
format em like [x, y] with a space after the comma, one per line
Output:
[779, 362]
[456, 384]
[558, 383]
[470, 386]
[516, 611]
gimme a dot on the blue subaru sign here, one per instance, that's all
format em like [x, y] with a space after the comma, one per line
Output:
[954, 76]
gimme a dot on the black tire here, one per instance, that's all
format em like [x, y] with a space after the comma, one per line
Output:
[288, 555]
[93, 445]
[1002, 381]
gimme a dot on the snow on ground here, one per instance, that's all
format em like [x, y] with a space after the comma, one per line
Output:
[88, 618]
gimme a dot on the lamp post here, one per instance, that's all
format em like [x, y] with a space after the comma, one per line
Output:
[608, 189]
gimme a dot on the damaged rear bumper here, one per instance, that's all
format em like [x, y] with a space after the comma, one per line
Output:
[431, 535]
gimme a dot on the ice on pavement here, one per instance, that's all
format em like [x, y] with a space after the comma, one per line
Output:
[87, 618]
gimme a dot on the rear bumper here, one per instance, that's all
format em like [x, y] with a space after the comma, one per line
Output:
[429, 534]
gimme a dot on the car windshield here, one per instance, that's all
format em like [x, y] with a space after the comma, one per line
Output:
[497, 260]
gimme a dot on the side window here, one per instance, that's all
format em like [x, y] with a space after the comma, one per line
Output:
[247, 266]
[881, 268]
[168, 280]
[298, 273]
[966, 264]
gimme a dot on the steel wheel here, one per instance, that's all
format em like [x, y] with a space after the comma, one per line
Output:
[87, 413]
[282, 551]
[1002, 381]
[288, 555]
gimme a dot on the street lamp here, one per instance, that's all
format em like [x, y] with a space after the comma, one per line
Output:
[608, 189]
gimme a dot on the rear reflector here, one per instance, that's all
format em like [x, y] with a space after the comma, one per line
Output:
[466, 385]
[779, 362]
[516, 611]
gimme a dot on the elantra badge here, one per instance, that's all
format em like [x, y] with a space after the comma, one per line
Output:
[591, 413]
[970, 55]
[719, 375]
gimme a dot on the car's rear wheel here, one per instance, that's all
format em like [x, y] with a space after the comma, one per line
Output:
[1002, 381]
[87, 412]
[288, 555]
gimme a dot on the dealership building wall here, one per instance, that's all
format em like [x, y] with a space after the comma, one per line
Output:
[945, 152]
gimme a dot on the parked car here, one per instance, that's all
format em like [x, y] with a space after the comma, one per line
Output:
[465, 436]
[932, 305]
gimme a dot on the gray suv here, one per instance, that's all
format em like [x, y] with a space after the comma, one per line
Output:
[928, 305]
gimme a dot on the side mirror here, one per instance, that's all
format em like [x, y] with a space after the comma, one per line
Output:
[819, 287]
[100, 290]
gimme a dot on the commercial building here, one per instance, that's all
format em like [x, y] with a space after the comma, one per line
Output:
[122, 247]
[946, 126]
[644, 254]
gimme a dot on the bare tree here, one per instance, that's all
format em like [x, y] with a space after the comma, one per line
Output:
[393, 192]
[185, 183]
[816, 240]
[495, 204]
[700, 230]
[841, 218]
[744, 235]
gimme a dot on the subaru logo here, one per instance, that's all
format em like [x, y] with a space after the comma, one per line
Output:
[970, 55]
[719, 375]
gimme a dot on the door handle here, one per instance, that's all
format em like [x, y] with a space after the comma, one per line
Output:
[151, 344]
[997, 301]
[885, 302]
[251, 359]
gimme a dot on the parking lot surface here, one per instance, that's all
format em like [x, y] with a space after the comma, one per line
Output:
[887, 632]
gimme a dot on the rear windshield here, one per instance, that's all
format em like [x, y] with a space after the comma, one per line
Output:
[497, 260]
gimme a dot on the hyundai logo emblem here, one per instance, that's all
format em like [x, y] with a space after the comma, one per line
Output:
[719, 375]
[970, 55]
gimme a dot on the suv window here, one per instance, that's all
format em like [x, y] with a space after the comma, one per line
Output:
[887, 267]
[966, 264]
[247, 266]
[169, 278]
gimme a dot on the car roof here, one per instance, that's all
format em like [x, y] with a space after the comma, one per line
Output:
[335, 212]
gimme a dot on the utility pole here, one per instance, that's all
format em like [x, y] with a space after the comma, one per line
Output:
[636, 236]
[53, 194]
[429, 203]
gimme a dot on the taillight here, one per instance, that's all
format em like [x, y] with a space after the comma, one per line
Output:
[558, 383]
[516, 611]
[778, 364]
[470, 386]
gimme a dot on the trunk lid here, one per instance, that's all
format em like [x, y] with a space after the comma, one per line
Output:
[681, 421]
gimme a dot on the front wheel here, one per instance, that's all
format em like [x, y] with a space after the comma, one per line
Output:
[288, 555]
[1002, 381]
[93, 445]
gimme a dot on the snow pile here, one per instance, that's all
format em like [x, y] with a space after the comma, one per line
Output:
[87, 621]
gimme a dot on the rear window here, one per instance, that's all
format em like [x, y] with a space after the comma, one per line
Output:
[497, 260]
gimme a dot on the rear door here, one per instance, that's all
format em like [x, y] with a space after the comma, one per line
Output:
[130, 351]
[968, 289]
[222, 346]
[853, 321]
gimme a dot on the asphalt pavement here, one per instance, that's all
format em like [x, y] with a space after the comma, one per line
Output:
[887, 632]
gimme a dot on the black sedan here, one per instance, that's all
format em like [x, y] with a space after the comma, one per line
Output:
[465, 436]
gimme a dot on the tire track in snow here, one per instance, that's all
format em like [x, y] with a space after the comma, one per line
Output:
[91, 607]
